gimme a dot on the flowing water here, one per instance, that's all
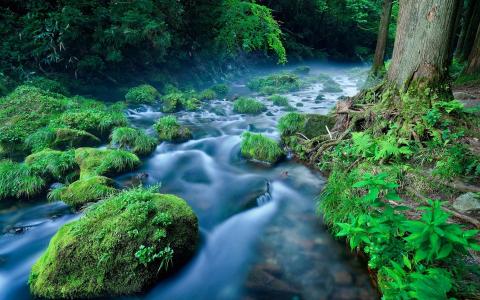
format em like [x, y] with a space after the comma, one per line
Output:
[261, 238]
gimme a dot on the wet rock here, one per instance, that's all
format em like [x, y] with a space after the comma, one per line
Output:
[342, 277]
[299, 104]
[264, 285]
[270, 114]
[463, 96]
[136, 180]
[469, 202]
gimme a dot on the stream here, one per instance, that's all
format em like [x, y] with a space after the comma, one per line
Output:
[261, 237]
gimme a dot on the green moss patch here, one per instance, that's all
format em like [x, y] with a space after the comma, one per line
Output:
[97, 162]
[121, 246]
[170, 130]
[83, 191]
[276, 84]
[18, 180]
[52, 165]
[59, 138]
[279, 100]
[132, 139]
[244, 105]
[331, 86]
[221, 89]
[259, 147]
[208, 94]
[142, 94]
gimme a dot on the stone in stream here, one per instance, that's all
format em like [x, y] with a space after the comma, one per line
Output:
[121, 246]
[469, 202]
[264, 285]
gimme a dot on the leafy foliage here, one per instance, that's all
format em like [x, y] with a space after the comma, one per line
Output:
[170, 130]
[261, 148]
[132, 139]
[245, 105]
[143, 94]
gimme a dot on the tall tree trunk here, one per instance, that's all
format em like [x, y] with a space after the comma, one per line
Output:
[378, 60]
[470, 30]
[457, 28]
[422, 44]
[473, 66]
[465, 22]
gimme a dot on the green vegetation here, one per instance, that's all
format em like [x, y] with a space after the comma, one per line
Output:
[83, 191]
[276, 84]
[132, 139]
[208, 94]
[121, 246]
[244, 105]
[170, 130]
[97, 162]
[47, 85]
[221, 89]
[142, 94]
[331, 86]
[259, 147]
[52, 164]
[279, 100]
[18, 180]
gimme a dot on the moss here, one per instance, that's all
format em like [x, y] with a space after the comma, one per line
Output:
[331, 86]
[191, 104]
[279, 100]
[83, 191]
[259, 147]
[221, 89]
[47, 85]
[316, 124]
[59, 138]
[18, 180]
[26, 110]
[134, 140]
[121, 246]
[52, 165]
[142, 94]
[170, 130]
[322, 77]
[208, 94]
[97, 162]
[251, 106]
[304, 70]
[291, 123]
[172, 102]
[276, 84]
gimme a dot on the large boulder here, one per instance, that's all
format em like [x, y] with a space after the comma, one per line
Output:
[121, 246]
[104, 162]
[469, 202]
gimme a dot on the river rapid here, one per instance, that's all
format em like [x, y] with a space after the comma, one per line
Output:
[261, 237]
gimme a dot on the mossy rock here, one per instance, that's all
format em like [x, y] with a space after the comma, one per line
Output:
[104, 162]
[52, 165]
[315, 125]
[143, 94]
[191, 104]
[134, 140]
[122, 246]
[276, 84]
[331, 86]
[172, 102]
[258, 147]
[291, 123]
[18, 180]
[47, 85]
[221, 89]
[279, 100]
[170, 130]
[84, 191]
[244, 105]
[73, 138]
[208, 94]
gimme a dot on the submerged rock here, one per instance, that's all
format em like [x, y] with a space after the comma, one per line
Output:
[121, 246]
[469, 202]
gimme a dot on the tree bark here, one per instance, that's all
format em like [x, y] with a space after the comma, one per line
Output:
[473, 66]
[465, 22]
[378, 60]
[471, 26]
[421, 52]
[457, 28]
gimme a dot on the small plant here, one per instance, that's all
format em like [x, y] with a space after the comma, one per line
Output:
[261, 148]
[245, 105]
[143, 94]
[221, 89]
[291, 123]
[169, 129]
[132, 139]
[276, 84]
[208, 94]
[19, 181]
[147, 255]
[279, 100]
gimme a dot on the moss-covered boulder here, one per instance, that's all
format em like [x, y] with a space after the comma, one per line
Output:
[172, 102]
[104, 162]
[83, 191]
[259, 147]
[331, 86]
[309, 125]
[121, 246]
[279, 100]
[208, 94]
[60, 138]
[221, 89]
[18, 180]
[244, 105]
[143, 94]
[170, 130]
[52, 165]
[276, 84]
[134, 140]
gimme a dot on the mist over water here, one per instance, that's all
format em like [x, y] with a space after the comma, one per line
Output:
[261, 238]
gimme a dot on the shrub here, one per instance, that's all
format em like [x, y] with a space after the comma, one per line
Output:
[245, 105]
[169, 130]
[97, 162]
[83, 191]
[19, 181]
[191, 104]
[52, 164]
[134, 140]
[291, 123]
[120, 246]
[276, 84]
[172, 102]
[221, 89]
[47, 85]
[143, 94]
[208, 94]
[259, 147]
[279, 100]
